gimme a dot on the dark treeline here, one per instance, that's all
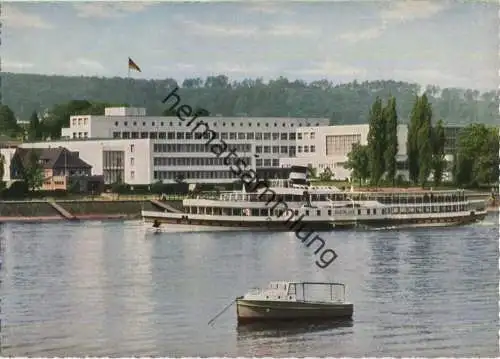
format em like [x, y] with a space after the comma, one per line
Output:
[343, 103]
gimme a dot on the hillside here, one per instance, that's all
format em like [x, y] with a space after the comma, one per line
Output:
[343, 104]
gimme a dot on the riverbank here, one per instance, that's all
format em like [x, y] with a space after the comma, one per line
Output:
[93, 209]
[63, 210]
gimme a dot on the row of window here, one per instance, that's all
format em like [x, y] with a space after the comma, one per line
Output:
[212, 124]
[57, 183]
[209, 161]
[306, 135]
[341, 144]
[80, 120]
[312, 148]
[264, 212]
[267, 162]
[172, 175]
[198, 147]
[80, 134]
[266, 136]
[190, 161]
[275, 149]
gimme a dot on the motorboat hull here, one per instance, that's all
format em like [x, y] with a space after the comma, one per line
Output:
[249, 311]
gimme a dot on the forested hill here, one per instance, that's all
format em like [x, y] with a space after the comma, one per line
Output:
[343, 104]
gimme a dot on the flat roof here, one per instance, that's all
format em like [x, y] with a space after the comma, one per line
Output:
[89, 140]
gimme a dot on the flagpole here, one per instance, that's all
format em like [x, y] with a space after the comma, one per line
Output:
[131, 65]
[128, 86]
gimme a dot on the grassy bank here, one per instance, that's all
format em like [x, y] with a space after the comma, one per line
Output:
[127, 209]
[110, 206]
[81, 208]
[27, 209]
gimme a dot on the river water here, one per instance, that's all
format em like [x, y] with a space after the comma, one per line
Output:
[111, 289]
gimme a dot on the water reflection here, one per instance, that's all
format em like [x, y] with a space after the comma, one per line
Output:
[384, 264]
[108, 289]
[294, 339]
[288, 328]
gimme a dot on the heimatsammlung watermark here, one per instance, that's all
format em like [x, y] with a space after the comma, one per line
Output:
[250, 179]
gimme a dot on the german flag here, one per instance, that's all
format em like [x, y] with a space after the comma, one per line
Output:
[132, 65]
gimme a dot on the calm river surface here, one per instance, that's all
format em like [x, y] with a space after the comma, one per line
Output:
[110, 289]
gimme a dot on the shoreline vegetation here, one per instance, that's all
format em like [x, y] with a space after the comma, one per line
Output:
[373, 166]
[343, 103]
[48, 210]
[128, 207]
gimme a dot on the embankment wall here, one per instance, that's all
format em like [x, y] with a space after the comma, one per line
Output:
[19, 211]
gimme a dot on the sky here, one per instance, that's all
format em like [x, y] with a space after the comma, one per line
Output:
[445, 43]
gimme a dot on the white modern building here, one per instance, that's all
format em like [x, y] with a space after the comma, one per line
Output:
[323, 147]
[117, 160]
[127, 145]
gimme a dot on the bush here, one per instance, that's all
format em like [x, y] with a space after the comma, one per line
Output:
[58, 193]
[400, 180]
[120, 188]
[169, 188]
[17, 190]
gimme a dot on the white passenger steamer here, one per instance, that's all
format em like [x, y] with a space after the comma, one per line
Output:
[289, 205]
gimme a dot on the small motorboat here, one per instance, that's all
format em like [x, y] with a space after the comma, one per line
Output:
[286, 300]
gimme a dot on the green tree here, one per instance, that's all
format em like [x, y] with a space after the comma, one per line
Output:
[180, 178]
[424, 154]
[454, 168]
[487, 168]
[119, 188]
[326, 175]
[424, 140]
[420, 141]
[477, 156]
[8, 123]
[345, 103]
[33, 174]
[58, 117]
[358, 161]
[157, 187]
[438, 160]
[34, 128]
[412, 141]
[312, 172]
[2, 171]
[376, 142]
[391, 133]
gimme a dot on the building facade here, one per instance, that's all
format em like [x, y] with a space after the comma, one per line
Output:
[116, 160]
[145, 149]
[322, 147]
[60, 168]
[125, 145]
[328, 147]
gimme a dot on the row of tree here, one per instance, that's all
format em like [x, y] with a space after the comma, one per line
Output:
[426, 144]
[382, 147]
[48, 125]
[343, 103]
[379, 156]
[475, 161]
[31, 173]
